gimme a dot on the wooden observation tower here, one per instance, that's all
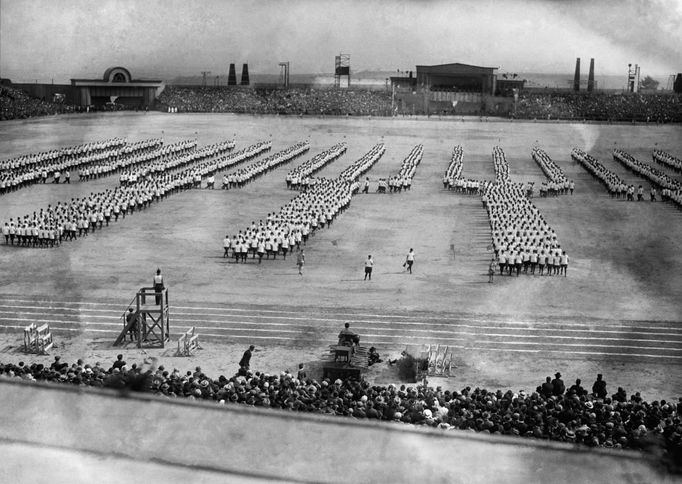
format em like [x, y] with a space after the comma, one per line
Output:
[150, 321]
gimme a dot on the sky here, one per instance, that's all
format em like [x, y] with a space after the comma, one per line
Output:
[161, 39]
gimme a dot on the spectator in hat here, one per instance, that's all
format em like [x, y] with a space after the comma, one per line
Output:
[599, 387]
[558, 384]
[245, 362]
[301, 375]
[547, 388]
[119, 363]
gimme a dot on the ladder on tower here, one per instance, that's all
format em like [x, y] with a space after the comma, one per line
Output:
[150, 324]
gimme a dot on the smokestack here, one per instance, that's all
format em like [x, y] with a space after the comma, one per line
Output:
[245, 75]
[590, 79]
[576, 78]
[232, 76]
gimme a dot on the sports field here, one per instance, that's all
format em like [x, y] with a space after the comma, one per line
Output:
[617, 312]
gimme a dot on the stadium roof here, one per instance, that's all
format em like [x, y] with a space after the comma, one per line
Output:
[456, 68]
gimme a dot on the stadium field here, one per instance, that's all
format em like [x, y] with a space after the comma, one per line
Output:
[619, 305]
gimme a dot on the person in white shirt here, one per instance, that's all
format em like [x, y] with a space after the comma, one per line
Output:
[409, 260]
[226, 246]
[563, 259]
[369, 264]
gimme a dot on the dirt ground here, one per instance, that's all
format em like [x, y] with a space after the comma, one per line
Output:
[625, 262]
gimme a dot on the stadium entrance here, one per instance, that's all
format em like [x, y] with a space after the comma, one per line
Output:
[116, 88]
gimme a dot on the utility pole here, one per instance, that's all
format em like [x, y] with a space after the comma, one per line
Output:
[204, 74]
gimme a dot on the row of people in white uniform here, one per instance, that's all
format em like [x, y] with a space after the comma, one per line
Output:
[82, 215]
[668, 160]
[291, 227]
[310, 210]
[501, 165]
[550, 169]
[261, 166]
[308, 168]
[653, 174]
[453, 180]
[613, 183]
[517, 225]
[37, 168]
[59, 155]
[200, 159]
[154, 161]
[403, 180]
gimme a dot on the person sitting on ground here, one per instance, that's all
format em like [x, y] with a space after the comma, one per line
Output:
[373, 356]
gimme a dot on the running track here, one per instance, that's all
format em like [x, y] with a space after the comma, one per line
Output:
[222, 323]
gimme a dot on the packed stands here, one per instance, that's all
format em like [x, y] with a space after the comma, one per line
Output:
[591, 418]
[16, 104]
[659, 108]
[276, 101]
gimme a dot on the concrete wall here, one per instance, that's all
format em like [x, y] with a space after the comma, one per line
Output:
[42, 422]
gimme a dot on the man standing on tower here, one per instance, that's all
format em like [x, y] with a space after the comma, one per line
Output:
[158, 285]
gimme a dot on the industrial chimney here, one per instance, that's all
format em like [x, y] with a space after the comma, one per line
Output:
[590, 79]
[232, 76]
[576, 78]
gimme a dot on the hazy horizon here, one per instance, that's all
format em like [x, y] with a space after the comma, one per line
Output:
[164, 39]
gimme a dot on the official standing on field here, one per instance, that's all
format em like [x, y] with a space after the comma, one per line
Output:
[409, 260]
[369, 264]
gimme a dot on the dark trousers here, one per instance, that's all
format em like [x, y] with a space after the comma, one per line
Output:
[158, 288]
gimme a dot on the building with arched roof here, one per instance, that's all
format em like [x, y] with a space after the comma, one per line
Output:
[116, 84]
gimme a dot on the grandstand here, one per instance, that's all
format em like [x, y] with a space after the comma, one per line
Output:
[502, 342]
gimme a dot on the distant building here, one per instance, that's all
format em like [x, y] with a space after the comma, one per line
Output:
[448, 89]
[117, 83]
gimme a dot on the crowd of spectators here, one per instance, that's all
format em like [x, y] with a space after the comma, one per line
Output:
[16, 104]
[50, 226]
[551, 412]
[276, 101]
[658, 108]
